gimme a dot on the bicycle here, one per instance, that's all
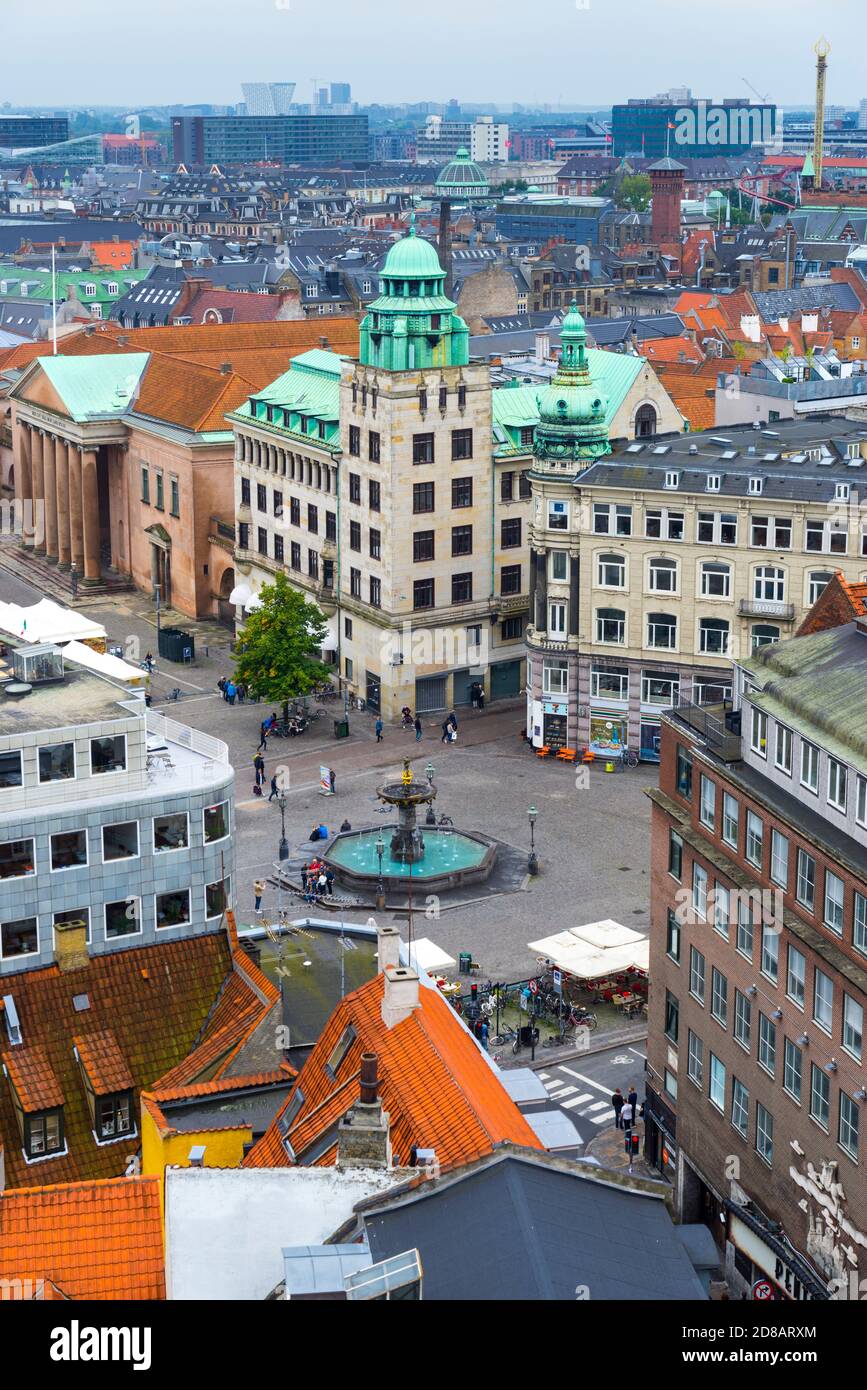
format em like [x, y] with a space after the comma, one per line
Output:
[446, 820]
[628, 759]
[506, 1035]
[579, 1019]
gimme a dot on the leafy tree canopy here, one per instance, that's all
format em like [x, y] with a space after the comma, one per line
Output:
[273, 655]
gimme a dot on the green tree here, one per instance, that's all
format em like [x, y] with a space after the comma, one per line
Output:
[273, 654]
[634, 193]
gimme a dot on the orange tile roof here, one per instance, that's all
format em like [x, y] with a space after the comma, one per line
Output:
[674, 349]
[30, 1072]
[103, 1061]
[438, 1088]
[92, 1240]
[163, 1005]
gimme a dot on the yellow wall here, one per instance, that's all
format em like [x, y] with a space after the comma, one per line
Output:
[224, 1148]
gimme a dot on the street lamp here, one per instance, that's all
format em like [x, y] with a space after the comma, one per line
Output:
[429, 773]
[380, 896]
[430, 818]
[283, 851]
[532, 862]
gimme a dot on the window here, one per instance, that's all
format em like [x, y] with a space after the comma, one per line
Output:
[820, 1095]
[853, 1026]
[717, 528]
[555, 677]
[313, 518]
[373, 446]
[740, 1107]
[423, 593]
[17, 859]
[859, 934]
[779, 859]
[610, 571]
[759, 732]
[462, 397]
[847, 1127]
[835, 892]
[278, 503]
[756, 485]
[783, 749]
[462, 588]
[355, 535]
[755, 836]
[672, 1016]
[672, 937]
[120, 841]
[355, 582]
[243, 535]
[43, 1133]
[764, 1134]
[825, 535]
[510, 578]
[19, 938]
[712, 482]
[717, 1087]
[719, 997]
[216, 898]
[809, 766]
[462, 444]
[295, 505]
[146, 486]
[462, 492]
[278, 548]
[659, 689]
[860, 797]
[696, 974]
[793, 1070]
[462, 542]
[422, 448]
[557, 619]
[662, 630]
[216, 822]
[560, 565]
[261, 497]
[262, 540]
[611, 625]
[818, 581]
[823, 999]
[422, 546]
[512, 629]
[767, 1044]
[295, 555]
[683, 772]
[670, 1083]
[662, 575]
[731, 811]
[355, 441]
[114, 1115]
[695, 1058]
[69, 849]
[771, 533]
[763, 634]
[525, 487]
[721, 910]
[770, 952]
[716, 579]
[743, 1020]
[744, 940]
[56, 762]
[355, 487]
[672, 478]
[713, 636]
[422, 497]
[510, 533]
[108, 754]
[373, 498]
[805, 883]
[122, 918]
[837, 784]
[796, 975]
[769, 584]
[558, 516]
[160, 502]
[660, 524]
[675, 855]
[345, 1042]
[611, 519]
[172, 909]
[707, 812]
[313, 564]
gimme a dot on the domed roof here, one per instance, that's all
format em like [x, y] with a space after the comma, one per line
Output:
[412, 258]
[572, 412]
[462, 175]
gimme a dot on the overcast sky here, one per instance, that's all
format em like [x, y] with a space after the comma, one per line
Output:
[582, 52]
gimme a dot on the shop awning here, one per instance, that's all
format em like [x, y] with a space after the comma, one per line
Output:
[595, 951]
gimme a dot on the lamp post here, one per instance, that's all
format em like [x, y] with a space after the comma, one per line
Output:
[283, 851]
[532, 862]
[157, 601]
[380, 896]
[430, 818]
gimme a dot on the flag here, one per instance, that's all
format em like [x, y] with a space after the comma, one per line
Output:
[671, 125]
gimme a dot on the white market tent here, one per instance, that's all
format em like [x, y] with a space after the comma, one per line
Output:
[596, 951]
[104, 664]
[48, 622]
[425, 955]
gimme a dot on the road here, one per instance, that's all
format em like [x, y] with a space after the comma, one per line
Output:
[582, 1088]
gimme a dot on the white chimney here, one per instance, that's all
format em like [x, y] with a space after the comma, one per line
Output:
[783, 321]
[387, 947]
[399, 996]
[751, 327]
[810, 323]
[543, 345]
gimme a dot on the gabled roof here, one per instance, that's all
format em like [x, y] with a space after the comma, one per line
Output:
[86, 1240]
[437, 1086]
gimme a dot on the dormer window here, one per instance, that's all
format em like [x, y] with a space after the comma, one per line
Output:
[841, 492]
[43, 1133]
[672, 478]
[756, 485]
[713, 482]
[114, 1115]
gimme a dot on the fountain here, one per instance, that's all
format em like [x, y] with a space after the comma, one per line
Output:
[437, 858]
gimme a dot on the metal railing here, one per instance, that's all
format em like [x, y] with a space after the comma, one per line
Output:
[711, 726]
[185, 737]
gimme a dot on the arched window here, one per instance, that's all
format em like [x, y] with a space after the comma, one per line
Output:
[611, 625]
[645, 421]
[662, 630]
[763, 634]
[819, 580]
[769, 583]
[611, 571]
[662, 575]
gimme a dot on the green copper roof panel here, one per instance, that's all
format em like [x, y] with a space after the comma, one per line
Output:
[613, 374]
[96, 387]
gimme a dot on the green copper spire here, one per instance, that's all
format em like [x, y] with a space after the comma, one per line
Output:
[413, 324]
[571, 411]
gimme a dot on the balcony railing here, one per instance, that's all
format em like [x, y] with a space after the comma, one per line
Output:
[766, 608]
[710, 721]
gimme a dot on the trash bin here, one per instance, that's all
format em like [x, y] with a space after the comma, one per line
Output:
[341, 728]
[529, 1034]
[176, 645]
[465, 960]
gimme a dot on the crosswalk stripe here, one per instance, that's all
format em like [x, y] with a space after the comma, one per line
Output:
[597, 1105]
[543, 1075]
[553, 1084]
[576, 1100]
[567, 1091]
[595, 1119]
[588, 1081]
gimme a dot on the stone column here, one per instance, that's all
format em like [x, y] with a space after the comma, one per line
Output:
[23, 439]
[76, 529]
[38, 491]
[62, 468]
[90, 516]
[49, 446]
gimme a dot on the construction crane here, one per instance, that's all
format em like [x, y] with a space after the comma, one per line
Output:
[821, 48]
[749, 84]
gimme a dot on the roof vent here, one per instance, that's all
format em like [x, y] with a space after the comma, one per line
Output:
[197, 1156]
[13, 1027]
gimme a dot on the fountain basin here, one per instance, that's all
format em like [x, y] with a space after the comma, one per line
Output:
[451, 858]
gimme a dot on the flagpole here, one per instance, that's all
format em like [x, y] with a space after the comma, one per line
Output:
[53, 304]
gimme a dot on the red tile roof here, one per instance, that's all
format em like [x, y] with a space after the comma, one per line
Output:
[103, 1061]
[91, 1240]
[437, 1086]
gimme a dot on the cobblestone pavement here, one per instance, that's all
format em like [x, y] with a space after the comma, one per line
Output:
[592, 843]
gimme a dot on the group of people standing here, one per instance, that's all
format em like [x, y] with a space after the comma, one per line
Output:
[626, 1111]
[317, 880]
[233, 690]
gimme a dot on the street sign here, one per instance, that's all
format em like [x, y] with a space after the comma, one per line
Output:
[763, 1290]
[558, 980]
[534, 987]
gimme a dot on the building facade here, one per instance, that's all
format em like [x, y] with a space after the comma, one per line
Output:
[759, 962]
[327, 140]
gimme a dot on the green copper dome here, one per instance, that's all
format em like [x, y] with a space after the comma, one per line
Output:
[572, 412]
[462, 178]
[412, 258]
[412, 323]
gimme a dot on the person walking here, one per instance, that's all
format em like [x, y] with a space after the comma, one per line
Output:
[332, 780]
[481, 704]
[231, 692]
[259, 765]
[258, 890]
[274, 788]
[264, 729]
[632, 1098]
[626, 1116]
[378, 726]
[241, 691]
[618, 1102]
[447, 731]
[417, 727]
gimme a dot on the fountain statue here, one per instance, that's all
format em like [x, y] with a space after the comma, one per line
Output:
[407, 842]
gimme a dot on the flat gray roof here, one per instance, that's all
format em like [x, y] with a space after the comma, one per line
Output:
[80, 698]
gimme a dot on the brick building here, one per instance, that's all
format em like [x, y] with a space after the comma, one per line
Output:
[759, 963]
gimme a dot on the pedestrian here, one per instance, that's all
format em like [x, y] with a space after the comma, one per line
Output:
[321, 884]
[231, 692]
[263, 735]
[241, 691]
[149, 663]
[417, 727]
[453, 720]
[221, 686]
[329, 882]
[447, 731]
[332, 780]
[483, 1034]
[274, 787]
[378, 726]
[308, 878]
[618, 1102]
[481, 697]
[258, 890]
[626, 1115]
[345, 827]
[259, 765]
[632, 1098]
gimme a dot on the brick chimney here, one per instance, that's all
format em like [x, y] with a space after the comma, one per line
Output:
[226, 368]
[387, 947]
[362, 1135]
[70, 946]
[400, 995]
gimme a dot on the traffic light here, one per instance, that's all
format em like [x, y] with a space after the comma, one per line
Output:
[631, 1144]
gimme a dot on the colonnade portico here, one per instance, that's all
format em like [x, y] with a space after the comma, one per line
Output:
[59, 477]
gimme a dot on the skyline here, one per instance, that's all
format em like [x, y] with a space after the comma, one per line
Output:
[395, 58]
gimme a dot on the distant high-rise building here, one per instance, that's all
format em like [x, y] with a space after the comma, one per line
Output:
[341, 94]
[862, 115]
[268, 98]
[30, 132]
[287, 139]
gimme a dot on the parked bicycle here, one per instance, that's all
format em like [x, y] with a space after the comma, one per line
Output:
[628, 758]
